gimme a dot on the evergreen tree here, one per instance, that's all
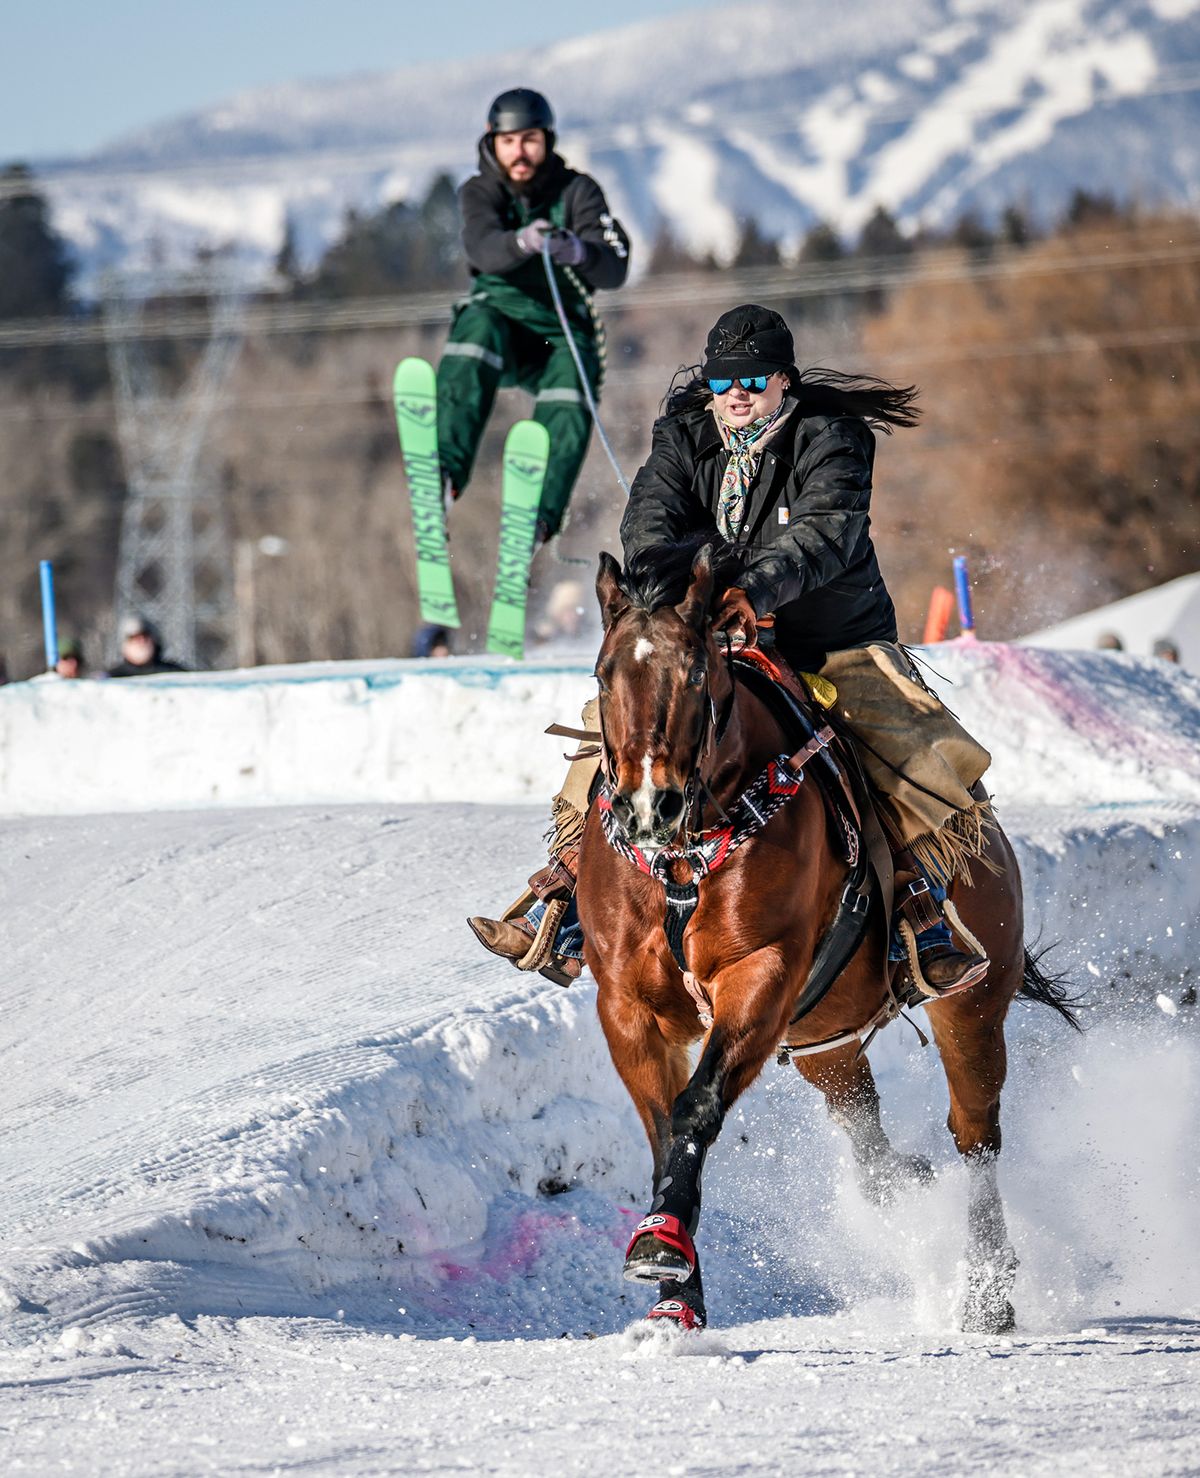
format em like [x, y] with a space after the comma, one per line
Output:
[881, 237]
[443, 230]
[754, 249]
[971, 234]
[400, 248]
[1015, 229]
[822, 244]
[35, 266]
[373, 257]
[669, 255]
[287, 258]
[1088, 209]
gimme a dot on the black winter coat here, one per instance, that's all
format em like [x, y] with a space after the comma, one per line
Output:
[807, 535]
[492, 212]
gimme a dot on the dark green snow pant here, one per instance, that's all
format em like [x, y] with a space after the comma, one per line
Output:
[485, 348]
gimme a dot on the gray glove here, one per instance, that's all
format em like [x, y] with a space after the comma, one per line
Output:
[567, 249]
[531, 237]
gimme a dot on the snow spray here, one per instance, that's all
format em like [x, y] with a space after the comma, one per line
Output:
[49, 620]
[962, 587]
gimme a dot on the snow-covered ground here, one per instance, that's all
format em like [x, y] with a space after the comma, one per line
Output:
[296, 1178]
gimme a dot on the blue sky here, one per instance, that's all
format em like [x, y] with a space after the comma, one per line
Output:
[78, 75]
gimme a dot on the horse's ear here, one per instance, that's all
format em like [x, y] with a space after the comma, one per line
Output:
[695, 604]
[609, 593]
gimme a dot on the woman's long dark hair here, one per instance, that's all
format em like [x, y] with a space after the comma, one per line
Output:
[821, 392]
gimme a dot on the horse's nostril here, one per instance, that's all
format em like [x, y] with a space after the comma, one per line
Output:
[669, 806]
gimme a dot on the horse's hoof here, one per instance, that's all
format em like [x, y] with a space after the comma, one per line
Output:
[676, 1312]
[883, 1180]
[915, 1169]
[988, 1316]
[986, 1308]
[660, 1248]
[651, 1261]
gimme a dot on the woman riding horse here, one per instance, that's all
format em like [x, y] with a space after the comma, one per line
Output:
[777, 466]
[760, 479]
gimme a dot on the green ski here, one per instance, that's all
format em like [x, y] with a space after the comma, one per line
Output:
[526, 451]
[414, 390]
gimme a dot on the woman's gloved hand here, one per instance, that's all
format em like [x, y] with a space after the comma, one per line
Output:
[735, 624]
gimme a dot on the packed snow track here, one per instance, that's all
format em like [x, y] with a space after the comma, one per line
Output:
[295, 1177]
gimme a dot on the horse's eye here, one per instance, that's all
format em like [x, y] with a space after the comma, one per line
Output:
[600, 683]
[697, 675]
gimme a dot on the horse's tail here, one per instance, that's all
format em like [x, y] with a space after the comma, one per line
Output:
[1049, 990]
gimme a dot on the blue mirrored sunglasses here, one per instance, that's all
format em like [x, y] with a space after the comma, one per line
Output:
[755, 383]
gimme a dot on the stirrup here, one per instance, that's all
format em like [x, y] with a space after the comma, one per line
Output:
[561, 969]
[972, 976]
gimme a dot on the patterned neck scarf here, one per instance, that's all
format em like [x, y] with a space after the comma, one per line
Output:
[745, 448]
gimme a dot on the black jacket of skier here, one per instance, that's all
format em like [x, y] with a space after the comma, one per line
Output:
[493, 212]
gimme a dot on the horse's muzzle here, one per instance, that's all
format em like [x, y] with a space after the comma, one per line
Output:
[650, 817]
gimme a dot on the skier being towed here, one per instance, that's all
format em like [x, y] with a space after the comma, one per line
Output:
[506, 331]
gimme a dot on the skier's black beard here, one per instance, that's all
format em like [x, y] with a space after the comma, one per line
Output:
[528, 186]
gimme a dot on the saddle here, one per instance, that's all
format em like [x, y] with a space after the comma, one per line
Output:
[800, 703]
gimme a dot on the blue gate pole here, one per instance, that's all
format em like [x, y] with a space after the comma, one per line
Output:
[49, 620]
[962, 587]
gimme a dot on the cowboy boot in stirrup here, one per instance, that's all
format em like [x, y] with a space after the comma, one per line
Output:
[943, 968]
[520, 934]
[512, 940]
[516, 938]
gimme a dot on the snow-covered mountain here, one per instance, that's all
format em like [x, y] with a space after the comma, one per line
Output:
[788, 111]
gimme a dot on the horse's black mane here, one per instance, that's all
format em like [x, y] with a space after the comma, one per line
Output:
[660, 575]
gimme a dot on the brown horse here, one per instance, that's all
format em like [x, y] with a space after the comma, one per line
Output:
[681, 734]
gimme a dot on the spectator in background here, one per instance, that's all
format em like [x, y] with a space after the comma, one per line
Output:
[70, 658]
[141, 650]
[1109, 641]
[431, 641]
[1165, 649]
[564, 613]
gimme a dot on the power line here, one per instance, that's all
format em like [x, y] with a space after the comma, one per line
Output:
[1047, 346]
[806, 280]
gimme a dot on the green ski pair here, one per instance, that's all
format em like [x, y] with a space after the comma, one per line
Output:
[526, 451]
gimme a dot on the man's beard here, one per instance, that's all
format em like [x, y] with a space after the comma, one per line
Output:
[525, 186]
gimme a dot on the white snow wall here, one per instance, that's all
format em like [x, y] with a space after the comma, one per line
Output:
[1067, 729]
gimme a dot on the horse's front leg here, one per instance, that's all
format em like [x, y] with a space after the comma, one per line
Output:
[648, 1034]
[749, 1016]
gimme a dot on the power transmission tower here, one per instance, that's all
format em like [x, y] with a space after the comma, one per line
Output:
[174, 562]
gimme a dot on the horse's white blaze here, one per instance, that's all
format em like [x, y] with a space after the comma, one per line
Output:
[643, 796]
[643, 649]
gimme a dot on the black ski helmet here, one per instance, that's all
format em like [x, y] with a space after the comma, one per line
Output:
[520, 108]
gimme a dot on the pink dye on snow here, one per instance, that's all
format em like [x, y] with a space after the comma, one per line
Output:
[520, 1247]
[1079, 704]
